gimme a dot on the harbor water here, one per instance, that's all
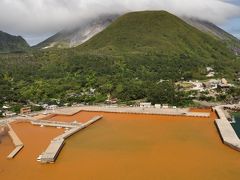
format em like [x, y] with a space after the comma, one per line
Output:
[236, 122]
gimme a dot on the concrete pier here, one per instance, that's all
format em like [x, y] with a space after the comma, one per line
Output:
[54, 148]
[51, 153]
[227, 133]
[16, 141]
[133, 110]
[55, 124]
[78, 128]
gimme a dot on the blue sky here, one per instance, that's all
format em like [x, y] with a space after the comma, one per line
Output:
[232, 26]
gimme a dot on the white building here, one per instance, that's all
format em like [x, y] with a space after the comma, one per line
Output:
[146, 105]
[165, 106]
[158, 106]
[9, 114]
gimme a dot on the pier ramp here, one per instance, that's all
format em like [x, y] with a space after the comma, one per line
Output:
[16, 141]
[51, 153]
[227, 133]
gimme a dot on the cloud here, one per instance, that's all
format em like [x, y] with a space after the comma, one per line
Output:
[38, 17]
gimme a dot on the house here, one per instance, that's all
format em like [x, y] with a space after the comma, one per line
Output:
[45, 106]
[9, 114]
[211, 84]
[158, 106]
[209, 69]
[146, 105]
[111, 101]
[224, 84]
[165, 106]
[25, 110]
[6, 107]
[224, 81]
[207, 85]
[52, 107]
[210, 74]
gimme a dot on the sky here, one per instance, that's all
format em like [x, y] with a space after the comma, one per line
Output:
[36, 20]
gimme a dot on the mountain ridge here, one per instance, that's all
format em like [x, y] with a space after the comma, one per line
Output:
[11, 43]
[63, 39]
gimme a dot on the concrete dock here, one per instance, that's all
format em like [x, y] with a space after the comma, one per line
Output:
[55, 124]
[78, 128]
[16, 141]
[227, 133]
[132, 110]
[51, 153]
[54, 148]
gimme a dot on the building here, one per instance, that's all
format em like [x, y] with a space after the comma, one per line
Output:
[25, 110]
[224, 84]
[209, 69]
[6, 107]
[165, 106]
[210, 74]
[224, 81]
[207, 85]
[158, 106]
[52, 107]
[111, 101]
[9, 114]
[146, 105]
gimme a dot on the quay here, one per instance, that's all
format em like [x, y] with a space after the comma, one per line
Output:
[227, 133]
[55, 124]
[16, 141]
[132, 110]
[76, 129]
[51, 153]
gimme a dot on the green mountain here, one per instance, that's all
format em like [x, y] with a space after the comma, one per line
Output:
[154, 32]
[138, 56]
[232, 42]
[10, 43]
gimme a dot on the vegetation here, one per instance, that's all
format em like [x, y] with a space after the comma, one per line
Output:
[139, 56]
[9, 43]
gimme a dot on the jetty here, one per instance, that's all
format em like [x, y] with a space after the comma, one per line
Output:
[16, 141]
[227, 133]
[132, 110]
[51, 153]
[55, 124]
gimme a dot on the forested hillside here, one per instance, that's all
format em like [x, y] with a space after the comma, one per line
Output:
[10, 43]
[139, 56]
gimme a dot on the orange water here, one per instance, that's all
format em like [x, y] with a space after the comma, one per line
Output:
[123, 146]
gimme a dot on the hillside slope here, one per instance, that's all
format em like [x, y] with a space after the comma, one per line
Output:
[155, 32]
[232, 42]
[128, 60]
[73, 37]
[10, 43]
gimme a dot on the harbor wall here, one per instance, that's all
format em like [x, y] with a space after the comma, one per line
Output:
[226, 131]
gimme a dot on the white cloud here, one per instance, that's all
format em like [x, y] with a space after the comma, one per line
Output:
[45, 16]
